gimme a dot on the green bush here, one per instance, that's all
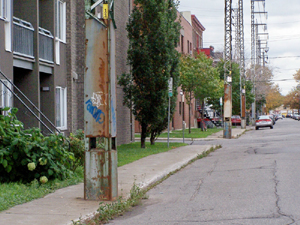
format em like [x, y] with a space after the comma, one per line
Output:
[77, 148]
[26, 155]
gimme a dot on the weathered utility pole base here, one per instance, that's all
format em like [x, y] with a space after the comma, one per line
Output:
[100, 178]
[243, 123]
[227, 130]
[101, 175]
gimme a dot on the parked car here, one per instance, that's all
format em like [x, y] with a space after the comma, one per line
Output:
[236, 120]
[296, 117]
[272, 118]
[263, 121]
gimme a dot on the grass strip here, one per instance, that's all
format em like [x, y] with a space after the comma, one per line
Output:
[128, 153]
[195, 133]
[16, 193]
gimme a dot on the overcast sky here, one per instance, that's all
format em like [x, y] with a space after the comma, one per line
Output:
[283, 26]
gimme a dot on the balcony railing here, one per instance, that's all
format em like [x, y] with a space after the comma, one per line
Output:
[23, 38]
[45, 45]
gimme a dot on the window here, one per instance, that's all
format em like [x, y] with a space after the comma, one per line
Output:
[5, 13]
[60, 20]
[61, 108]
[3, 8]
[6, 95]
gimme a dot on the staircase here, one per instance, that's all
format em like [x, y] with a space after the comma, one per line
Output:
[9, 86]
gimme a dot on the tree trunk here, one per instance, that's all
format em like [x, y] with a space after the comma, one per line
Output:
[152, 139]
[202, 116]
[143, 135]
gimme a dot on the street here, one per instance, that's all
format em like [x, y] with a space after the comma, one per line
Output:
[251, 180]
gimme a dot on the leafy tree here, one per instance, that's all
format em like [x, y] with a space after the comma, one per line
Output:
[153, 35]
[209, 84]
[189, 79]
[291, 100]
[297, 75]
[235, 89]
[274, 98]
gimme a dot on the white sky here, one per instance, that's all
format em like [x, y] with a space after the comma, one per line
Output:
[283, 26]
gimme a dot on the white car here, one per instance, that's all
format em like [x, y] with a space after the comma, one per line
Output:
[263, 121]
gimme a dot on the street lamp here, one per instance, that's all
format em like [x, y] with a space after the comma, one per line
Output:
[182, 109]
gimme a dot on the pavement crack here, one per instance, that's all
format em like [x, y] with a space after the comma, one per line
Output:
[197, 190]
[276, 181]
[201, 181]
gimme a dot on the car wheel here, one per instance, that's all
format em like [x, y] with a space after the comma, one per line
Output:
[271, 127]
[256, 128]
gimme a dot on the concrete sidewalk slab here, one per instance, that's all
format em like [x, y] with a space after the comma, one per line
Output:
[67, 204]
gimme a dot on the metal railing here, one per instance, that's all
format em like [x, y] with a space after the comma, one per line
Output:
[29, 104]
[45, 45]
[23, 38]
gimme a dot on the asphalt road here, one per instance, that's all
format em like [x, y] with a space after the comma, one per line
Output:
[251, 180]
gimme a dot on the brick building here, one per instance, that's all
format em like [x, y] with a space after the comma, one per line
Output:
[125, 120]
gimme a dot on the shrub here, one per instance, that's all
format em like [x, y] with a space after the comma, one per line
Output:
[26, 155]
[77, 148]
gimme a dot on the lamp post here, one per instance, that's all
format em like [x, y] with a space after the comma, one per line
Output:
[182, 109]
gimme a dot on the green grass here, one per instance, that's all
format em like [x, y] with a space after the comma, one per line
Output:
[16, 193]
[195, 133]
[131, 152]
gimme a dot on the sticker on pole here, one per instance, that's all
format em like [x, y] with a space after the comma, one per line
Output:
[171, 87]
[105, 11]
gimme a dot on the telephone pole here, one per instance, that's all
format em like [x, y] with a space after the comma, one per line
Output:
[100, 168]
[227, 70]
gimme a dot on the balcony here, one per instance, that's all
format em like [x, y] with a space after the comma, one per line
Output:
[23, 38]
[45, 45]
[23, 41]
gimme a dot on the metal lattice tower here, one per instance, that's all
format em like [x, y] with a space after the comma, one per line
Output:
[228, 33]
[252, 38]
[227, 70]
[235, 16]
[242, 63]
[255, 49]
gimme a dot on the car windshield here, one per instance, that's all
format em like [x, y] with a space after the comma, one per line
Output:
[263, 117]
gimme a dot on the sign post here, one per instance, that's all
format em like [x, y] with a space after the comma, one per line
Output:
[170, 93]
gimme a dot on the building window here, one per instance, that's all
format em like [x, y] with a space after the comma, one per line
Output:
[188, 46]
[61, 108]
[3, 9]
[60, 20]
[6, 95]
[5, 14]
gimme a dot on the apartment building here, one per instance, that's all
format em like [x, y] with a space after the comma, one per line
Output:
[33, 54]
[42, 51]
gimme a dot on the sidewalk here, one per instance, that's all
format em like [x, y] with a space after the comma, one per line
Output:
[67, 204]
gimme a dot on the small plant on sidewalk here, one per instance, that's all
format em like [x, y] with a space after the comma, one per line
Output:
[108, 211]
